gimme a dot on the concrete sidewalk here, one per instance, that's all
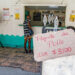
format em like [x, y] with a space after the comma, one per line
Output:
[15, 57]
[15, 71]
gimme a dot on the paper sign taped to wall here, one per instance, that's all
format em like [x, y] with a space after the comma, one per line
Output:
[54, 44]
[17, 14]
[6, 14]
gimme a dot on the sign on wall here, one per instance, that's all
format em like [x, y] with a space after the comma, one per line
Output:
[72, 16]
[54, 44]
[17, 14]
[5, 14]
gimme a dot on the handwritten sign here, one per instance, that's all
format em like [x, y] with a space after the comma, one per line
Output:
[54, 44]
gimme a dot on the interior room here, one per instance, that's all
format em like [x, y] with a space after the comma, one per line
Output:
[37, 13]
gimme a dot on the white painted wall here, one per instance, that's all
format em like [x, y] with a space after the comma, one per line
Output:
[70, 7]
[42, 1]
[11, 27]
[37, 30]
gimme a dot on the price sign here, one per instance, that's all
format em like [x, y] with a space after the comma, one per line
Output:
[54, 44]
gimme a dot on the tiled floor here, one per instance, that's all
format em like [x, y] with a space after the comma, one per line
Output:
[15, 57]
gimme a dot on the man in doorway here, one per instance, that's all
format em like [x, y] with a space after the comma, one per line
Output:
[28, 34]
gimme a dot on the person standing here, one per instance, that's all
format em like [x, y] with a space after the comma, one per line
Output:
[27, 34]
